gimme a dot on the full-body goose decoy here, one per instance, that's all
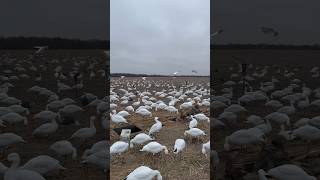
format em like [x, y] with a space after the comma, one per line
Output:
[205, 148]
[46, 116]
[144, 173]
[306, 132]
[140, 139]
[86, 133]
[179, 145]
[117, 119]
[242, 137]
[7, 139]
[41, 164]
[99, 159]
[144, 112]
[119, 147]
[193, 123]
[155, 127]
[13, 118]
[46, 129]
[154, 147]
[201, 117]
[64, 148]
[98, 146]
[15, 173]
[285, 172]
[194, 132]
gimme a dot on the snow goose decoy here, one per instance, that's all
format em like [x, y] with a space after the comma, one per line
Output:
[154, 147]
[243, 137]
[98, 146]
[285, 172]
[119, 147]
[179, 145]
[155, 127]
[144, 173]
[193, 123]
[46, 129]
[64, 148]
[194, 132]
[140, 139]
[15, 173]
[99, 159]
[41, 164]
[13, 118]
[85, 133]
[205, 148]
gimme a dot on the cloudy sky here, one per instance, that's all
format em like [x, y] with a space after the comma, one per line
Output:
[296, 20]
[160, 36]
[84, 19]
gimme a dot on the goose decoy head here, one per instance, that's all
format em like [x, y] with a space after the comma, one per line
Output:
[12, 157]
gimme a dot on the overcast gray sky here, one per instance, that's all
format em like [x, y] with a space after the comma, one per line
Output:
[84, 19]
[296, 20]
[160, 36]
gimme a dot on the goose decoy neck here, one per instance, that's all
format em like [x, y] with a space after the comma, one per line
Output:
[15, 159]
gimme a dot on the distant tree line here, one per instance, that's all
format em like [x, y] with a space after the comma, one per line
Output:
[149, 75]
[53, 43]
[265, 46]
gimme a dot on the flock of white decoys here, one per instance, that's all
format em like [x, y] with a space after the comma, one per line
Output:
[40, 111]
[144, 98]
[276, 102]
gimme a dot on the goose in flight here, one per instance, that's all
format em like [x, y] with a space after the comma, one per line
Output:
[216, 33]
[40, 49]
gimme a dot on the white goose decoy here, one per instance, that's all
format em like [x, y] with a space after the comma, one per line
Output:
[46, 129]
[144, 112]
[140, 139]
[243, 137]
[86, 133]
[129, 108]
[119, 147]
[186, 105]
[19, 109]
[155, 127]
[14, 173]
[117, 119]
[123, 113]
[193, 123]
[179, 145]
[154, 147]
[13, 118]
[64, 148]
[201, 117]
[205, 148]
[99, 159]
[306, 132]
[255, 120]
[280, 118]
[144, 173]
[7, 139]
[286, 172]
[42, 164]
[194, 132]
[98, 146]
[46, 116]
